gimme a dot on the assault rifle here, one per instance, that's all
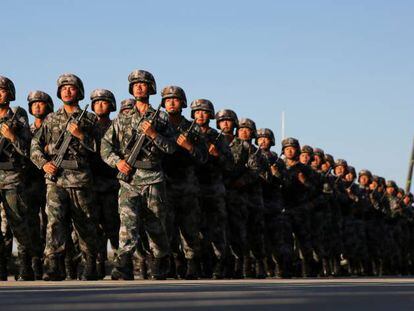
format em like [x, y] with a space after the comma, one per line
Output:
[137, 147]
[63, 142]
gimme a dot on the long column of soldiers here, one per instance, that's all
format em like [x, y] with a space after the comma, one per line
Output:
[177, 198]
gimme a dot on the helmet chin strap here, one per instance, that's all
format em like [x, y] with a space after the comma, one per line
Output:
[71, 103]
[143, 99]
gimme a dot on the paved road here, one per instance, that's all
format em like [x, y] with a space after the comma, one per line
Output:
[311, 294]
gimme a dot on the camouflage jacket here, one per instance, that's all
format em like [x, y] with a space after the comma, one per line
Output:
[34, 177]
[211, 172]
[294, 192]
[104, 175]
[45, 146]
[179, 167]
[15, 154]
[120, 137]
[272, 183]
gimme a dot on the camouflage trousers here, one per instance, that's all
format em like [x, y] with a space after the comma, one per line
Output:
[16, 212]
[255, 223]
[106, 204]
[278, 233]
[183, 221]
[237, 215]
[7, 234]
[146, 206]
[66, 206]
[214, 219]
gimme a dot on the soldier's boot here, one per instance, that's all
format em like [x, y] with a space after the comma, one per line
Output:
[238, 268]
[306, 269]
[89, 271]
[326, 269]
[157, 269]
[260, 269]
[123, 269]
[247, 267]
[37, 267]
[53, 270]
[142, 272]
[271, 267]
[71, 269]
[218, 272]
[25, 269]
[101, 271]
[285, 269]
[3, 268]
[180, 269]
[192, 269]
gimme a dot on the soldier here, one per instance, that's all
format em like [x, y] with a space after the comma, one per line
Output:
[68, 197]
[245, 202]
[106, 185]
[213, 224]
[40, 105]
[278, 230]
[142, 193]
[182, 184]
[15, 137]
[297, 189]
[127, 105]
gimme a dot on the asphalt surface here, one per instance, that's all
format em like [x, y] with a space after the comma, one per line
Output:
[271, 294]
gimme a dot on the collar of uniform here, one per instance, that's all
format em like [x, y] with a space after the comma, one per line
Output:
[135, 110]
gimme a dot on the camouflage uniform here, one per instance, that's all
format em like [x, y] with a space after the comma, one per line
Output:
[142, 198]
[278, 230]
[296, 196]
[106, 187]
[212, 196]
[184, 214]
[245, 205]
[68, 198]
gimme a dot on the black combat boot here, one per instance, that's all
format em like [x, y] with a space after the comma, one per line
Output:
[238, 268]
[71, 269]
[100, 267]
[157, 271]
[53, 270]
[192, 269]
[122, 268]
[248, 268]
[89, 271]
[218, 272]
[25, 269]
[260, 269]
[37, 267]
[3, 268]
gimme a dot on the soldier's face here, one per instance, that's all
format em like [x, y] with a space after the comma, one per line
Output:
[126, 111]
[304, 158]
[339, 170]
[326, 166]
[172, 105]
[399, 195]
[202, 117]
[349, 177]
[390, 190]
[101, 108]
[290, 152]
[69, 93]
[226, 126]
[316, 161]
[264, 143]
[406, 200]
[140, 89]
[363, 180]
[373, 185]
[3, 96]
[39, 109]
[244, 133]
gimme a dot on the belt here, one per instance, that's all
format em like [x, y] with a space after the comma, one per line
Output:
[7, 166]
[146, 165]
[69, 165]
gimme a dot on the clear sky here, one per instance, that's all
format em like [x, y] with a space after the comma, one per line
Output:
[342, 71]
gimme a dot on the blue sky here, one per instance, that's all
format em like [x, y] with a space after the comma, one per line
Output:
[342, 71]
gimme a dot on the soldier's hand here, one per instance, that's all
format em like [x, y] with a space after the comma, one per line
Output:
[184, 142]
[124, 167]
[7, 132]
[148, 130]
[273, 169]
[74, 129]
[50, 168]
[213, 150]
[301, 177]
